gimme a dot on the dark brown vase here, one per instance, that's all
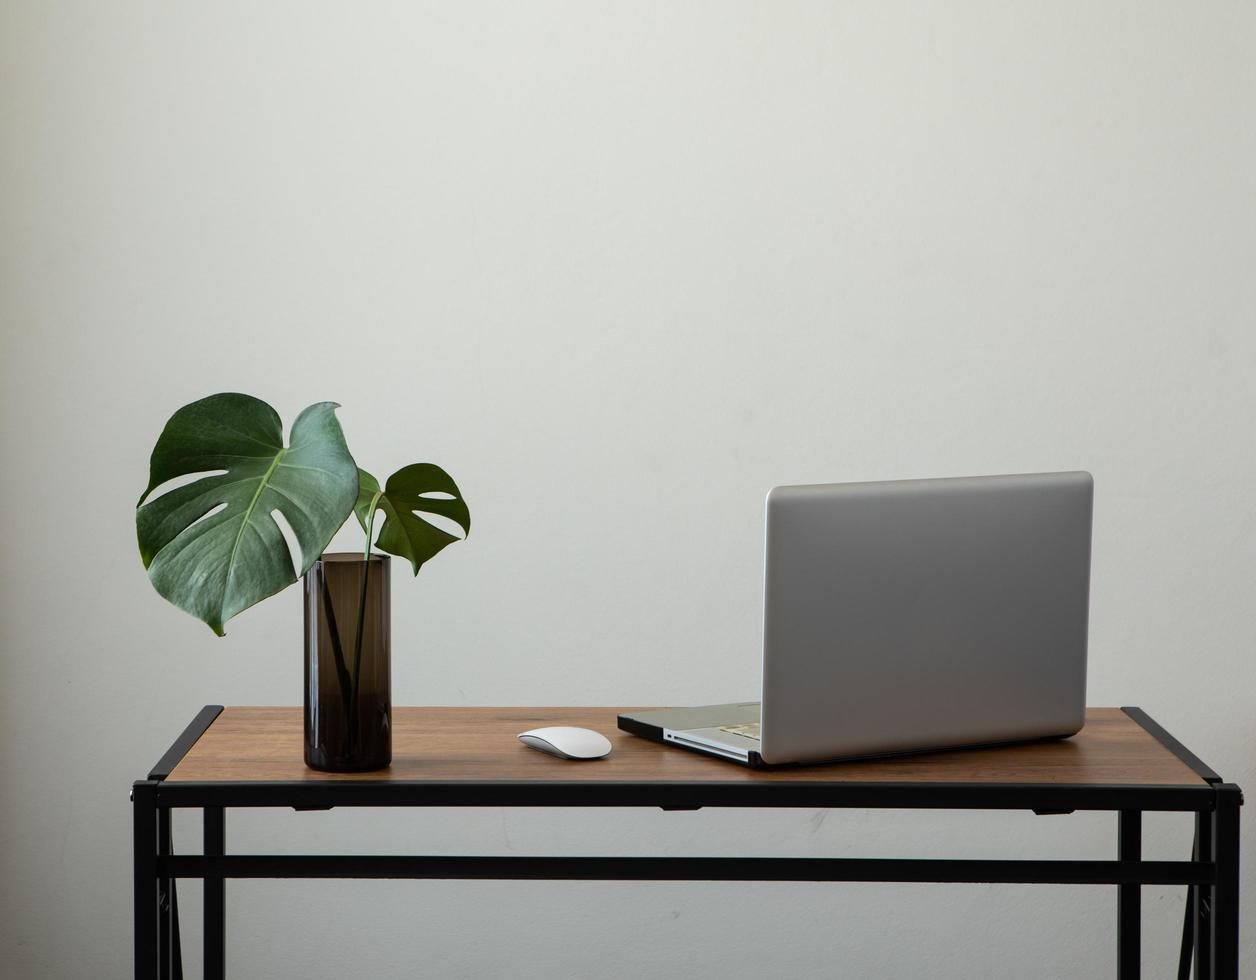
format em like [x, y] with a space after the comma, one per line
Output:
[348, 696]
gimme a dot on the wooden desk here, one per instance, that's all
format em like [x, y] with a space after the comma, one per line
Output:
[1121, 761]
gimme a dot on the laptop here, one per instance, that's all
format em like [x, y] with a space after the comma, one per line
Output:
[910, 616]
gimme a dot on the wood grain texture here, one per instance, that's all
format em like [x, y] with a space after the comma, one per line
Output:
[475, 744]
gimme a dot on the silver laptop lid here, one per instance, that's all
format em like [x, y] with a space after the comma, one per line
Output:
[922, 614]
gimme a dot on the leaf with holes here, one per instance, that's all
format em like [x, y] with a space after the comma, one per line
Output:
[421, 487]
[212, 547]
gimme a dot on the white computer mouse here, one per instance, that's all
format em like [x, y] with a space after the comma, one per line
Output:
[567, 743]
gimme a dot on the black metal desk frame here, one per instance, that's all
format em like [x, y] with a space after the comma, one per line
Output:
[1210, 930]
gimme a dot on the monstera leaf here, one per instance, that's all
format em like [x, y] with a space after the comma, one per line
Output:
[410, 489]
[212, 547]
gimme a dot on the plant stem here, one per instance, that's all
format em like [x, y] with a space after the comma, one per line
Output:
[357, 640]
[342, 671]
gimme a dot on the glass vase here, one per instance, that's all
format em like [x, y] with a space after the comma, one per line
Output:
[348, 697]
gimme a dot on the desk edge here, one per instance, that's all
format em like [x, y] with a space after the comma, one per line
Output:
[1189, 758]
[183, 744]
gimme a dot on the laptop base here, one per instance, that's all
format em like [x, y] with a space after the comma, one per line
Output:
[703, 729]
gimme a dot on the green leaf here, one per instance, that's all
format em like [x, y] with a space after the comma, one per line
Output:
[218, 565]
[403, 533]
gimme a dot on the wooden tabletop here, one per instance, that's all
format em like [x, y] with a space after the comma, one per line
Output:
[442, 745]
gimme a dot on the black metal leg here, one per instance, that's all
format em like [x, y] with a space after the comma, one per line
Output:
[1225, 894]
[1129, 904]
[163, 897]
[215, 897]
[1188, 923]
[163, 901]
[176, 944]
[170, 966]
[1203, 900]
[144, 815]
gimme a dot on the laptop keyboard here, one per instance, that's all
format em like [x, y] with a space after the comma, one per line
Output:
[750, 731]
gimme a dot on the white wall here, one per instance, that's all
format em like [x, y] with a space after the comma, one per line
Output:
[620, 268]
